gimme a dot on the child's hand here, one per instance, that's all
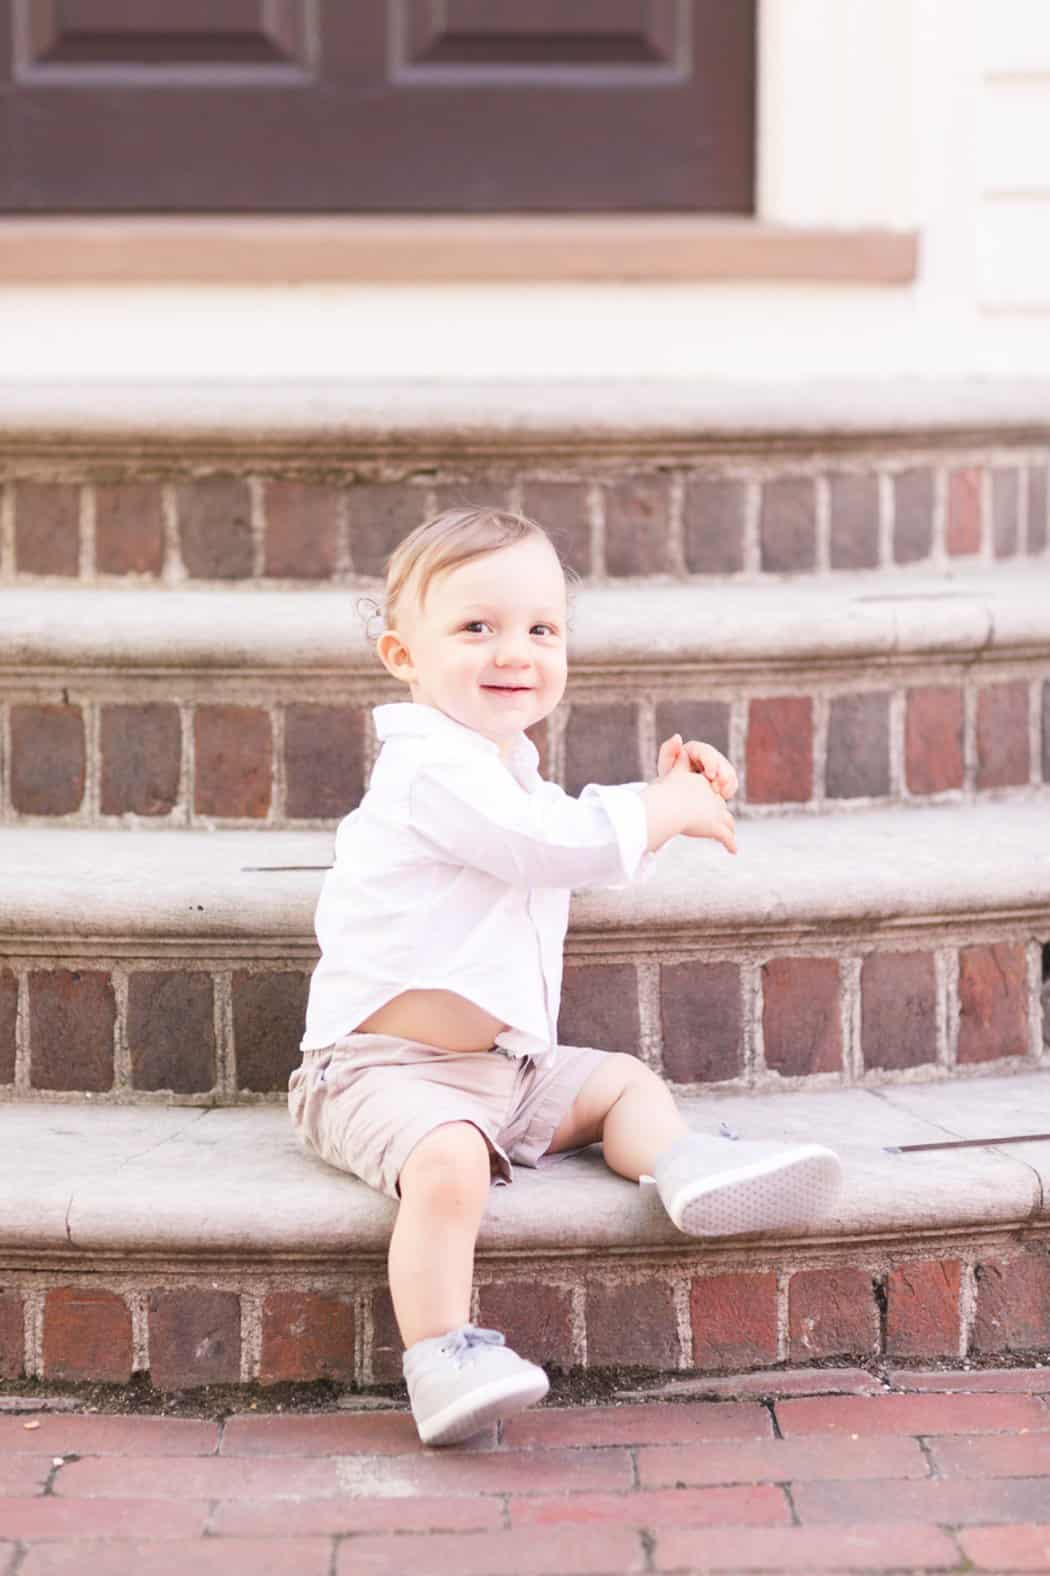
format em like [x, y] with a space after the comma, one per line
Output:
[701, 810]
[703, 758]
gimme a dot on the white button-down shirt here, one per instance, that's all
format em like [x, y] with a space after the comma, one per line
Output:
[454, 873]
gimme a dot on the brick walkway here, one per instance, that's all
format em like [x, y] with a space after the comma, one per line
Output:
[937, 1473]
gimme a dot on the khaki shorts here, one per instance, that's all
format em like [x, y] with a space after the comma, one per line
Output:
[364, 1103]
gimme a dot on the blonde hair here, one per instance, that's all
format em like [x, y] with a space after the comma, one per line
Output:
[442, 543]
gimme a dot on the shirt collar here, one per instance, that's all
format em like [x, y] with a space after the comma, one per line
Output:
[400, 718]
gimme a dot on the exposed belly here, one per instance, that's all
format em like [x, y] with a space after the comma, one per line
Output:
[435, 1017]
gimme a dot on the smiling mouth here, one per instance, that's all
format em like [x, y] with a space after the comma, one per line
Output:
[509, 689]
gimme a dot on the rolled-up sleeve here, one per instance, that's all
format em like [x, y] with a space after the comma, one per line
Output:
[476, 814]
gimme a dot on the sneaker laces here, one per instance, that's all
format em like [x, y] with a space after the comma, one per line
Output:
[465, 1343]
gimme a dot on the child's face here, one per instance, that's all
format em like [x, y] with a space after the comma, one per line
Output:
[488, 647]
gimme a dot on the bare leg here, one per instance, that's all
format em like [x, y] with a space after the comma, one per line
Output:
[630, 1109]
[444, 1189]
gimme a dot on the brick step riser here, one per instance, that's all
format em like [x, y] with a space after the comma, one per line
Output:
[706, 1310]
[736, 511]
[252, 752]
[179, 1027]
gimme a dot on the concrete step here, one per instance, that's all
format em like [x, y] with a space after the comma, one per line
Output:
[205, 1247]
[868, 948]
[217, 707]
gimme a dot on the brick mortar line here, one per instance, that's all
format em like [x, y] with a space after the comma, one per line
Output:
[7, 531]
[86, 531]
[257, 523]
[887, 520]
[822, 523]
[123, 1072]
[173, 570]
[676, 524]
[1035, 699]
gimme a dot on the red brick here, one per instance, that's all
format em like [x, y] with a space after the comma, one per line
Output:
[768, 1383]
[268, 1015]
[601, 745]
[1038, 494]
[888, 1501]
[991, 1455]
[77, 1521]
[8, 1024]
[171, 1031]
[322, 1434]
[898, 1009]
[561, 508]
[21, 1475]
[12, 1335]
[1002, 735]
[523, 1471]
[1006, 499]
[48, 759]
[387, 1350]
[234, 761]
[47, 528]
[194, 1339]
[780, 750]
[599, 1007]
[807, 1549]
[701, 1016]
[306, 1336]
[72, 1015]
[1013, 1303]
[854, 521]
[535, 1317]
[129, 528]
[858, 763]
[648, 1424]
[705, 720]
[831, 1313]
[963, 531]
[1018, 1548]
[934, 739]
[801, 1015]
[141, 755]
[922, 1310]
[913, 515]
[111, 1434]
[637, 530]
[137, 1555]
[740, 1505]
[539, 733]
[631, 1325]
[768, 1460]
[1046, 732]
[1014, 1381]
[87, 1335]
[381, 515]
[993, 1002]
[547, 1551]
[788, 525]
[340, 1516]
[215, 528]
[734, 1320]
[302, 530]
[474, 492]
[714, 513]
[868, 1416]
[323, 760]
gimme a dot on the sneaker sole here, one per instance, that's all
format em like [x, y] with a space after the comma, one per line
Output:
[767, 1195]
[473, 1412]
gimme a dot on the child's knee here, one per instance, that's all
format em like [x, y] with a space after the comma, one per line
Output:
[630, 1073]
[449, 1168]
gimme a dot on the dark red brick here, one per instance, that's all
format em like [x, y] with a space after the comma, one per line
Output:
[194, 1338]
[12, 1335]
[780, 750]
[631, 1325]
[540, 735]
[1037, 508]
[898, 1009]
[323, 760]
[8, 1024]
[47, 528]
[913, 515]
[703, 1040]
[1006, 500]
[474, 492]
[48, 759]
[854, 521]
[922, 1309]
[599, 1007]
[72, 1014]
[561, 508]
[1046, 732]
[801, 1016]
[993, 1002]
[714, 513]
[788, 525]
[141, 755]
[637, 526]
[1013, 1303]
[734, 1320]
[171, 1031]
[387, 1350]
[934, 739]
[302, 530]
[535, 1317]
[268, 1015]
[1002, 735]
[215, 528]
[704, 720]
[129, 528]
[381, 515]
[963, 531]
[234, 761]
[87, 1335]
[601, 745]
[831, 1313]
[858, 764]
[306, 1336]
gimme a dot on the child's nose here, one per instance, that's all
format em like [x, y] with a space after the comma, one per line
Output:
[513, 651]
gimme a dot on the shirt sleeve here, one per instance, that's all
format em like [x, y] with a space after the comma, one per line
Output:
[476, 814]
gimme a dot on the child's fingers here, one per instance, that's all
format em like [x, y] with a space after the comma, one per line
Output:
[669, 752]
[718, 771]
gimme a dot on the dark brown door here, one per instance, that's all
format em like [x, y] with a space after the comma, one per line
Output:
[376, 105]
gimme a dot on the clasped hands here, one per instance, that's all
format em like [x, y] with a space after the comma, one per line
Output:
[719, 783]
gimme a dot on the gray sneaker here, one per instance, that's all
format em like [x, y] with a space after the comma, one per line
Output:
[725, 1187]
[459, 1382]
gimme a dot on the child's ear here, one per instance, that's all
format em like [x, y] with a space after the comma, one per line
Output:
[395, 655]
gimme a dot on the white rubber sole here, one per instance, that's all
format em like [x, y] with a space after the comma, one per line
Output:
[473, 1412]
[768, 1195]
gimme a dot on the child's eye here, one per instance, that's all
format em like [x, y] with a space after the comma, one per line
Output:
[475, 626]
[544, 629]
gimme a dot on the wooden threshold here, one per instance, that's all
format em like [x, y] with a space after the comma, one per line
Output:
[442, 249]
